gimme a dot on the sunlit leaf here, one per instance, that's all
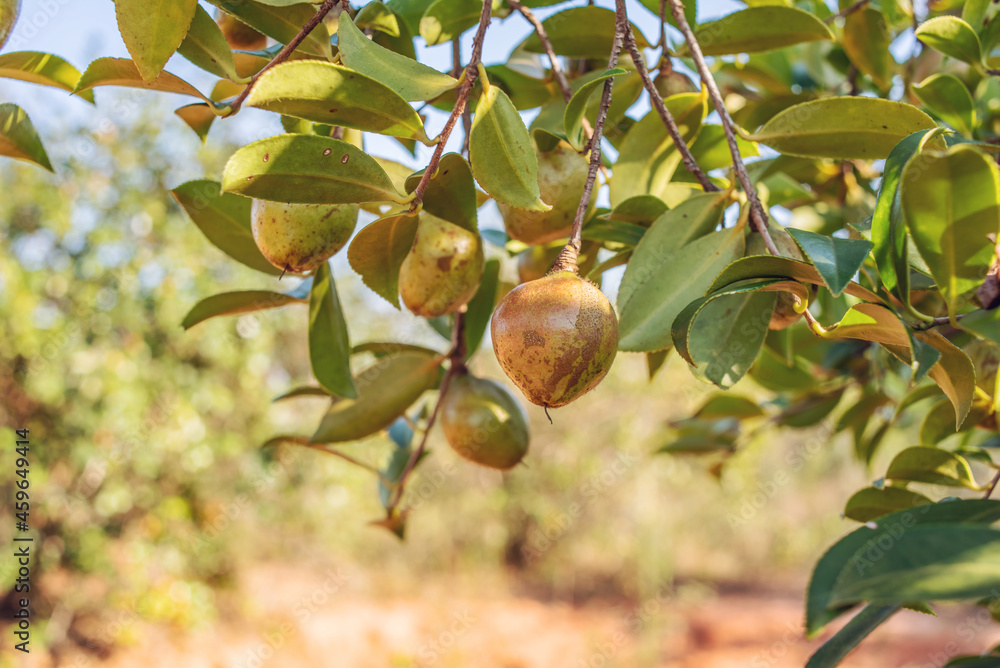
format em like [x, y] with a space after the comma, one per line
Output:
[329, 347]
[378, 251]
[18, 138]
[152, 30]
[953, 37]
[41, 68]
[759, 29]
[233, 303]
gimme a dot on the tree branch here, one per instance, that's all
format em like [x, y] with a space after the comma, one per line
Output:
[471, 74]
[993, 485]
[283, 55]
[668, 119]
[845, 11]
[757, 215]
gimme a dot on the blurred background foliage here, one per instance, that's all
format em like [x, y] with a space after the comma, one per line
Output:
[150, 491]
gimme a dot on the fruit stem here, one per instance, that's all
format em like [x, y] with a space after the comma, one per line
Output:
[576, 237]
[471, 74]
[284, 54]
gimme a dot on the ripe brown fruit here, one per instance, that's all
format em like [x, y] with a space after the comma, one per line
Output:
[239, 35]
[9, 9]
[442, 271]
[562, 174]
[555, 338]
[299, 237]
[484, 423]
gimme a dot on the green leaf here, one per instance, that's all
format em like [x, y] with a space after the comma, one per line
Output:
[932, 466]
[846, 128]
[410, 79]
[447, 19]
[771, 266]
[836, 260]
[837, 647]
[954, 373]
[386, 389]
[503, 159]
[152, 30]
[327, 93]
[480, 307]
[870, 322]
[282, 20]
[648, 157]
[690, 11]
[233, 303]
[891, 242]
[726, 335]
[304, 391]
[18, 138]
[758, 29]
[722, 405]
[41, 68]
[576, 110]
[451, 193]
[123, 72]
[951, 201]
[329, 347]
[661, 280]
[820, 609]
[378, 251]
[377, 16]
[410, 11]
[640, 210]
[225, 220]
[307, 169]
[581, 32]
[866, 41]
[984, 324]
[206, 46]
[953, 37]
[950, 100]
[871, 503]
[711, 148]
[199, 117]
[929, 562]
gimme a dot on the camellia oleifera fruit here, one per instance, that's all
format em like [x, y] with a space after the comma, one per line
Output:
[555, 338]
[484, 423]
[562, 175]
[238, 34]
[299, 237]
[441, 273]
[9, 9]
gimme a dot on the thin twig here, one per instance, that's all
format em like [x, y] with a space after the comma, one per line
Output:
[566, 261]
[663, 27]
[668, 119]
[847, 10]
[757, 215]
[936, 322]
[993, 485]
[284, 54]
[471, 74]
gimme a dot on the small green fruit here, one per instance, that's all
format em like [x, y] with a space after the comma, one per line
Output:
[441, 273]
[9, 10]
[484, 423]
[238, 34]
[674, 83]
[555, 338]
[299, 237]
[562, 175]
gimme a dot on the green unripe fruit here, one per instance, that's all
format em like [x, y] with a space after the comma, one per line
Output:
[674, 83]
[299, 237]
[555, 338]
[562, 175]
[238, 34]
[9, 9]
[484, 423]
[441, 273]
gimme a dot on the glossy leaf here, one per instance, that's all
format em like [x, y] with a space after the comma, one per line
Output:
[954, 373]
[378, 251]
[329, 346]
[846, 128]
[377, 16]
[836, 260]
[451, 193]
[953, 37]
[123, 72]
[950, 100]
[281, 21]
[308, 170]
[41, 68]
[581, 32]
[576, 110]
[152, 30]
[199, 117]
[327, 93]
[757, 29]
[206, 46]
[932, 466]
[18, 138]
[726, 335]
[871, 503]
[386, 389]
[770, 266]
[866, 41]
[503, 158]
[233, 303]
[225, 220]
[951, 202]
[410, 79]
